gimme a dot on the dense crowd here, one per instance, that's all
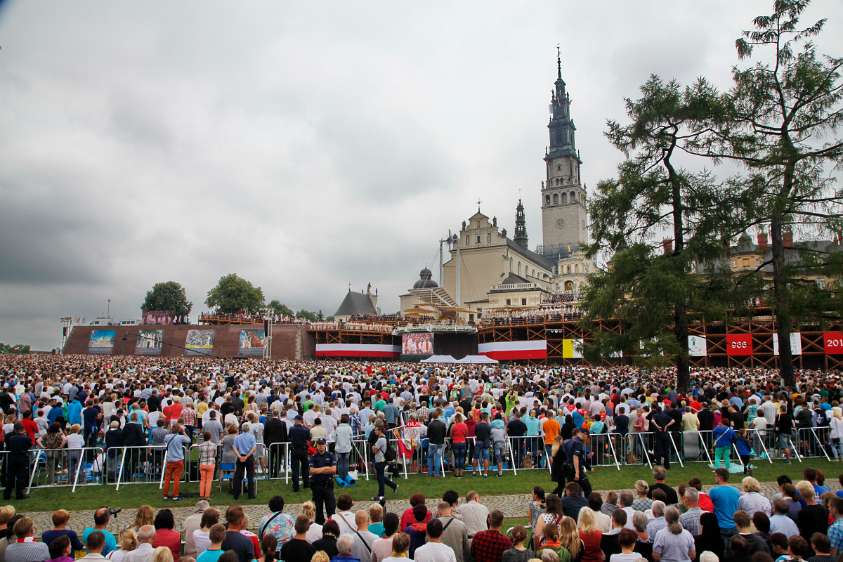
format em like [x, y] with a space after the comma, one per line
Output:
[432, 418]
[655, 523]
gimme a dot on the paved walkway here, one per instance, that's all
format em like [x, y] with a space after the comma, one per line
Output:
[512, 505]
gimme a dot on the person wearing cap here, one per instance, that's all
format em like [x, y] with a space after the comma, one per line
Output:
[322, 470]
[245, 446]
[18, 445]
[299, 437]
[575, 452]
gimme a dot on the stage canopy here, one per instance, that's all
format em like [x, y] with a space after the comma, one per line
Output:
[477, 359]
[440, 359]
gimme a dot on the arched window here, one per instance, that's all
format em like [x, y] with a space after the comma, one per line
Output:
[519, 268]
[564, 198]
[573, 197]
[567, 269]
[569, 286]
[576, 268]
[547, 199]
[555, 198]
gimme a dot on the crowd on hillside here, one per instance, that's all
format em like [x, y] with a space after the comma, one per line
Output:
[468, 419]
[802, 521]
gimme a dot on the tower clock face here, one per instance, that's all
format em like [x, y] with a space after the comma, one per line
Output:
[560, 223]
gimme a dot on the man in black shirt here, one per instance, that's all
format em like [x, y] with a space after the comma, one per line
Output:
[518, 429]
[275, 431]
[483, 440]
[323, 466]
[299, 436]
[17, 462]
[661, 422]
[436, 432]
[234, 539]
[660, 475]
[297, 548]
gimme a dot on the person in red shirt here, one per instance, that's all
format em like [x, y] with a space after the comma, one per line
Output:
[705, 501]
[459, 432]
[165, 534]
[407, 517]
[489, 546]
[174, 410]
[29, 425]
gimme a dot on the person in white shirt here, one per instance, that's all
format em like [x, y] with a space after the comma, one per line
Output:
[434, 550]
[473, 513]
[363, 538]
[144, 551]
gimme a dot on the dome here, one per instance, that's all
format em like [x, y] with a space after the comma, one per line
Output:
[425, 280]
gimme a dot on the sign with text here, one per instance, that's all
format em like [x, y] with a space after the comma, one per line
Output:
[833, 343]
[738, 345]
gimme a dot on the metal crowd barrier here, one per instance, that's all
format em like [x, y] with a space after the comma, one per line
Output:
[66, 467]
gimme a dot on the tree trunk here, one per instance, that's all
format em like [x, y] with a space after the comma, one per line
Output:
[781, 295]
[680, 312]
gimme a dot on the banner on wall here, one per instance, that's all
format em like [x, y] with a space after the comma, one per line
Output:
[371, 350]
[738, 345]
[697, 346]
[417, 343]
[572, 348]
[833, 343]
[150, 342]
[795, 343]
[252, 343]
[199, 342]
[162, 317]
[514, 350]
[102, 341]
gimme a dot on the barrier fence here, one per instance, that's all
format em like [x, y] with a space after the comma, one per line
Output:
[415, 454]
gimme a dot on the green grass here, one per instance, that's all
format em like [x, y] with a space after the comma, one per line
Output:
[129, 496]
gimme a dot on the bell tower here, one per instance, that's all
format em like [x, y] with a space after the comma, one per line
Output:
[563, 196]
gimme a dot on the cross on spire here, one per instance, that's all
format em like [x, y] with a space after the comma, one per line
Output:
[478, 205]
[558, 62]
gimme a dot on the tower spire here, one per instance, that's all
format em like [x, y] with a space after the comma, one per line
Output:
[520, 226]
[558, 62]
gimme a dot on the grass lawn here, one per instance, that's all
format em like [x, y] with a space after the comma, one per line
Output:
[129, 496]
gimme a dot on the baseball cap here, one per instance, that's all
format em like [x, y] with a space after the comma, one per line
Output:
[320, 441]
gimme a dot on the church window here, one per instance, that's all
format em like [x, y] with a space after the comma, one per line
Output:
[488, 238]
[576, 268]
[478, 240]
[555, 198]
[523, 302]
[573, 197]
[519, 268]
[567, 269]
[564, 198]
[559, 166]
[547, 199]
[569, 286]
[508, 302]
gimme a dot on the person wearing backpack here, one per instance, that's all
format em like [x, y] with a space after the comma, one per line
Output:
[723, 436]
[383, 453]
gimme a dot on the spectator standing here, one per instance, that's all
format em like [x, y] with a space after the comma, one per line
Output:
[473, 514]
[207, 465]
[234, 539]
[192, 523]
[454, 532]
[245, 446]
[322, 468]
[18, 445]
[175, 443]
[725, 499]
[276, 523]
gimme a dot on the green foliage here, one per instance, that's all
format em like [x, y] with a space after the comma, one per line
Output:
[168, 296]
[309, 316]
[280, 309]
[16, 349]
[233, 294]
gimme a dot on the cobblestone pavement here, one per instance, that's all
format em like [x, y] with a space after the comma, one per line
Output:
[512, 505]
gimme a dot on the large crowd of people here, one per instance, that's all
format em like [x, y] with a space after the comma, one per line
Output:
[456, 419]
[802, 521]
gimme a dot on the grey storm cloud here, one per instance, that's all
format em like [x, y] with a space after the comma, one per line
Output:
[303, 145]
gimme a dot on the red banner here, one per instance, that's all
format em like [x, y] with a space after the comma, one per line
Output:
[738, 345]
[833, 343]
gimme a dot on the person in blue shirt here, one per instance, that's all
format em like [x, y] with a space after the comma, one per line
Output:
[74, 412]
[245, 446]
[101, 518]
[175, 443]
[723, 436]
[725, 499]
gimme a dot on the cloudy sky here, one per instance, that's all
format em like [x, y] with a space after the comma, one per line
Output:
[302, 145]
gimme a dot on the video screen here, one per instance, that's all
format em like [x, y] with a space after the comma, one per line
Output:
[417, 344]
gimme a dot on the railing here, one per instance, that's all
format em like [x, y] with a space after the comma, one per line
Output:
[66, 467]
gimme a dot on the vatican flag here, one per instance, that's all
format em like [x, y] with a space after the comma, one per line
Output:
[572, 349]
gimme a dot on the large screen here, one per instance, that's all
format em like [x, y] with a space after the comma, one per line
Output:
[420, 343]
[252, 343]
[102, 341]
[149, 342]
[199, 342]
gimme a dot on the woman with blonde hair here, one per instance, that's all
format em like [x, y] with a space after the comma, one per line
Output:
[162, 554]
[143, 516]
[320, 556]
[569, 540]
[835, 422]
[314, 532]
[590, 536]
[752, 501]
[642, 502]
[128, 541]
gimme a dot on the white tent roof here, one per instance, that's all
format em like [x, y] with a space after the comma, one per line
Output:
[477, 359]
[440, 359]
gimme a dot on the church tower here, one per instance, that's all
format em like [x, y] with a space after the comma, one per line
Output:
[520, 227]
[563, 196]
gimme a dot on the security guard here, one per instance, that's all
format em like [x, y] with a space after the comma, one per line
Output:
[323, 466]
[299, 437]
[17, 462]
